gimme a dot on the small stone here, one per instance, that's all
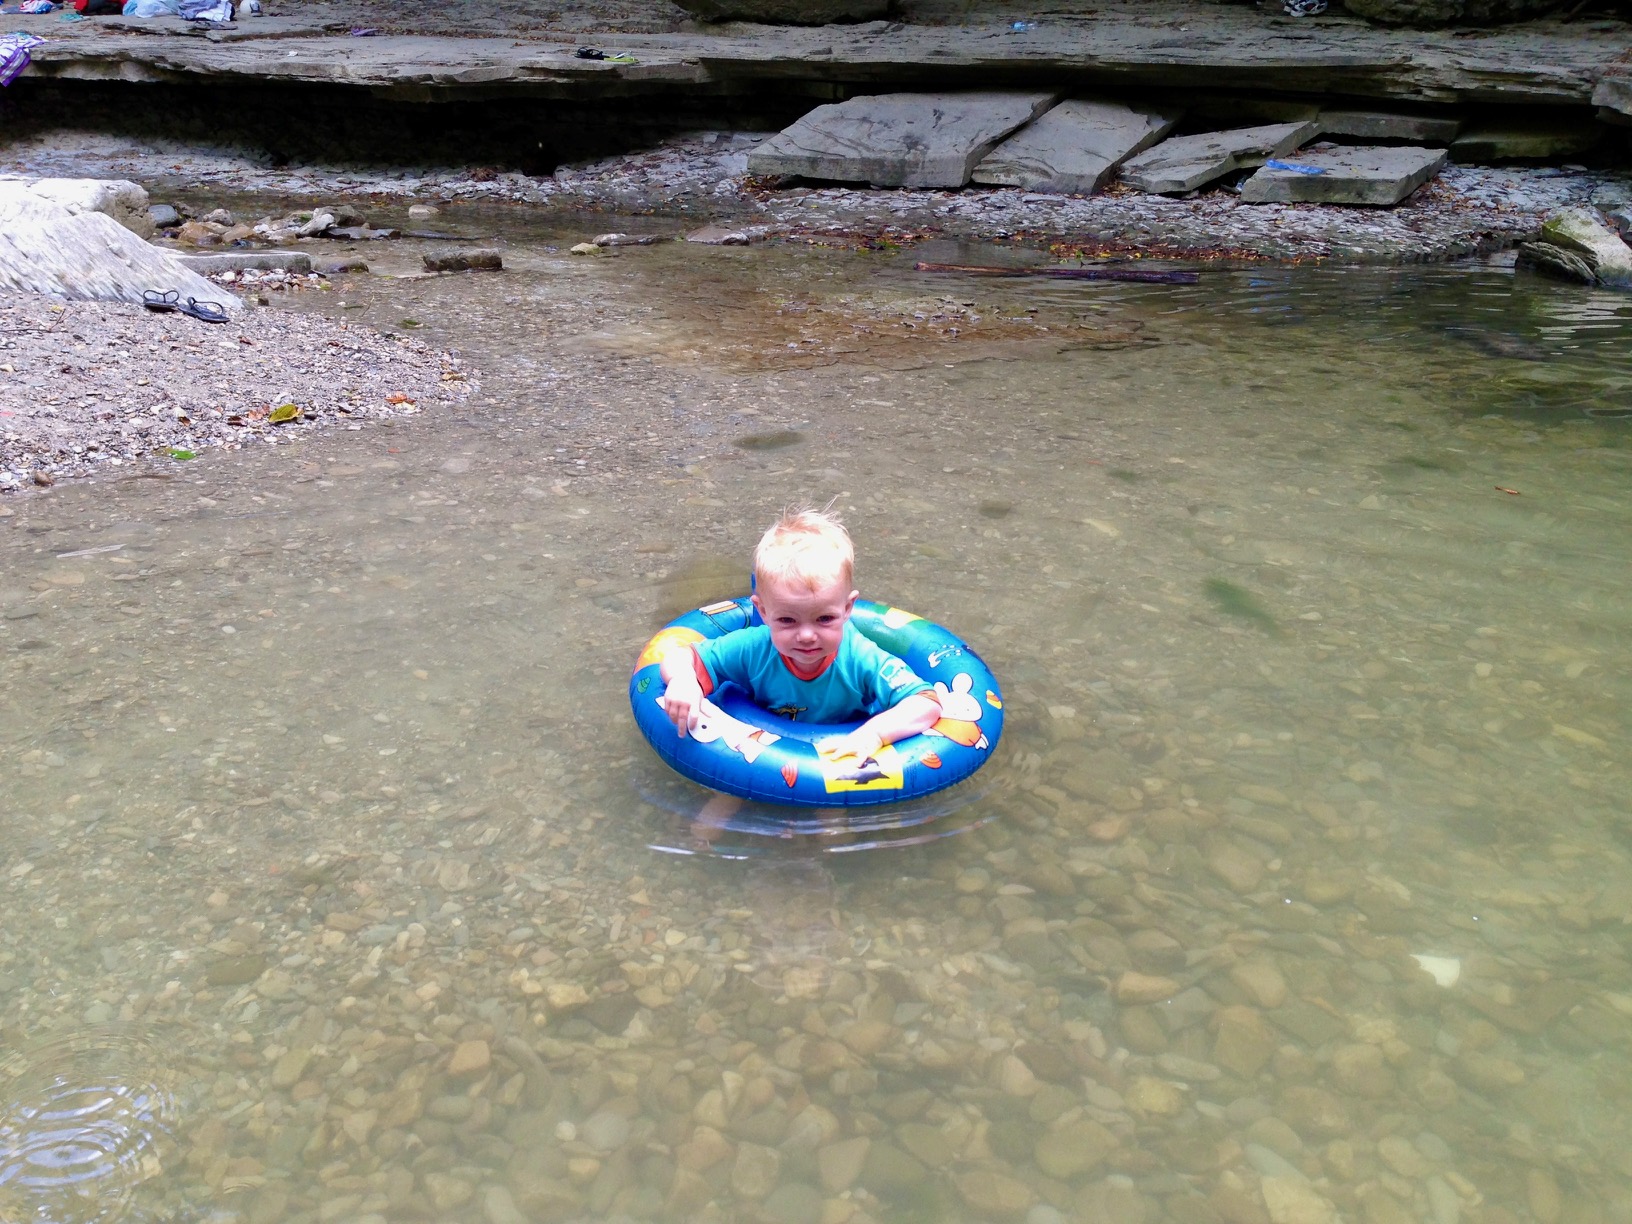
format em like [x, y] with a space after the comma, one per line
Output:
[1545, 1198]
[840, 1164]
[756, 1171]
[888, 1170]
[1486, 1072]
[1074, 1149]
[1362, 1070]
[360, 1125]
[1401, 1155]
[1261, 982]
[1138, 988]
[928, 1143]
[1154, 1098]
[465, 261]
[793, 1203]
[446, 1191]
[498, 1207]
[1277, 1136]
[1015, 1078]
[565, 996]
[236, 970]
[993, 1193]
[1242, 1042]
[470, 1058]
[705, 1149]
[1294, 1201]
[605, 1130]
[1241, 871]
[1141, 1031]
[291, 1065]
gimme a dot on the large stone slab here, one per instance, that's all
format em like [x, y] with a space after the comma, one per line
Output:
[899, 140]
[1525, 140]
[1383, 125]
[1613, 98]
[1076, 147]
[248, 261]
[44, 248]
[1365, 174]
[1583, 232]
[1187, 162]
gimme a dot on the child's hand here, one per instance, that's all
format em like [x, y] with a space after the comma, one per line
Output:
[860, 743]
[683, 702]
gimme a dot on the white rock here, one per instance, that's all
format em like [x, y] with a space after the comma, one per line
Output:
[45, 248]
[120, 199]
[1445, 970]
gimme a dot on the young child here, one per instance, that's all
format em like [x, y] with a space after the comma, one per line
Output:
[806, 662]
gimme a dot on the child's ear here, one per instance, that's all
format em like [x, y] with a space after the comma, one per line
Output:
[850, 603]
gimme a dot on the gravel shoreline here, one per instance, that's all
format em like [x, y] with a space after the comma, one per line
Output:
[87, 386]
[132, 385]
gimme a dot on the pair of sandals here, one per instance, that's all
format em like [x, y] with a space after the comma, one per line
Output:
[169, 300]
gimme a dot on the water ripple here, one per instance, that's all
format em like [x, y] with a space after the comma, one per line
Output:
[85, 1118]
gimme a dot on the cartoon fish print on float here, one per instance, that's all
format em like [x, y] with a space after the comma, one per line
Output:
[885, 769]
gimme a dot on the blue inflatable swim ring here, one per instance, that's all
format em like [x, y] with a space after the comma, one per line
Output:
[745, 750]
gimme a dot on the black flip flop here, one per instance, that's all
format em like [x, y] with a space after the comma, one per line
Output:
[207, 312]
[162, 302]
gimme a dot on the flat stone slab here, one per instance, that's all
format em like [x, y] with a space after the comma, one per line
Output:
[1187, 162]
[1613, 98]
[899, 140]
[1376, 175]
[249, 261]
[1525, 140]
[1382, 125]
[1074, 148]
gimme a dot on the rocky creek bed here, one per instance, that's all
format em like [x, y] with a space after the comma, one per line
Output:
[316, 801]
[72, 416]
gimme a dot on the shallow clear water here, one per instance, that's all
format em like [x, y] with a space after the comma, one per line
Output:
[1309, 594]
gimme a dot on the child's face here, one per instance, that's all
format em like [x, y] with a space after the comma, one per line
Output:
[805, 625]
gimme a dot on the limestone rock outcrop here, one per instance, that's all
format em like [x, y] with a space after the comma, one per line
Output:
[1425, 13]
[787, 12]
[76, 250]
[1578, 245]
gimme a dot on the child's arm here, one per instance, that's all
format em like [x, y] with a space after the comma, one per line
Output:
[683, 698]
[910, 716]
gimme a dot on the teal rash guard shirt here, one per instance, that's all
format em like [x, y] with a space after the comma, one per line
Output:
[861, 680]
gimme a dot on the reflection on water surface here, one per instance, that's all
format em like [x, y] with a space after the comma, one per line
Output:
[1310, 603]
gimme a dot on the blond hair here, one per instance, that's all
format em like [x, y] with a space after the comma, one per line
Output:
[805, 547]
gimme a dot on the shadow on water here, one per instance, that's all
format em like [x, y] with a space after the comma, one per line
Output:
[759, 829]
